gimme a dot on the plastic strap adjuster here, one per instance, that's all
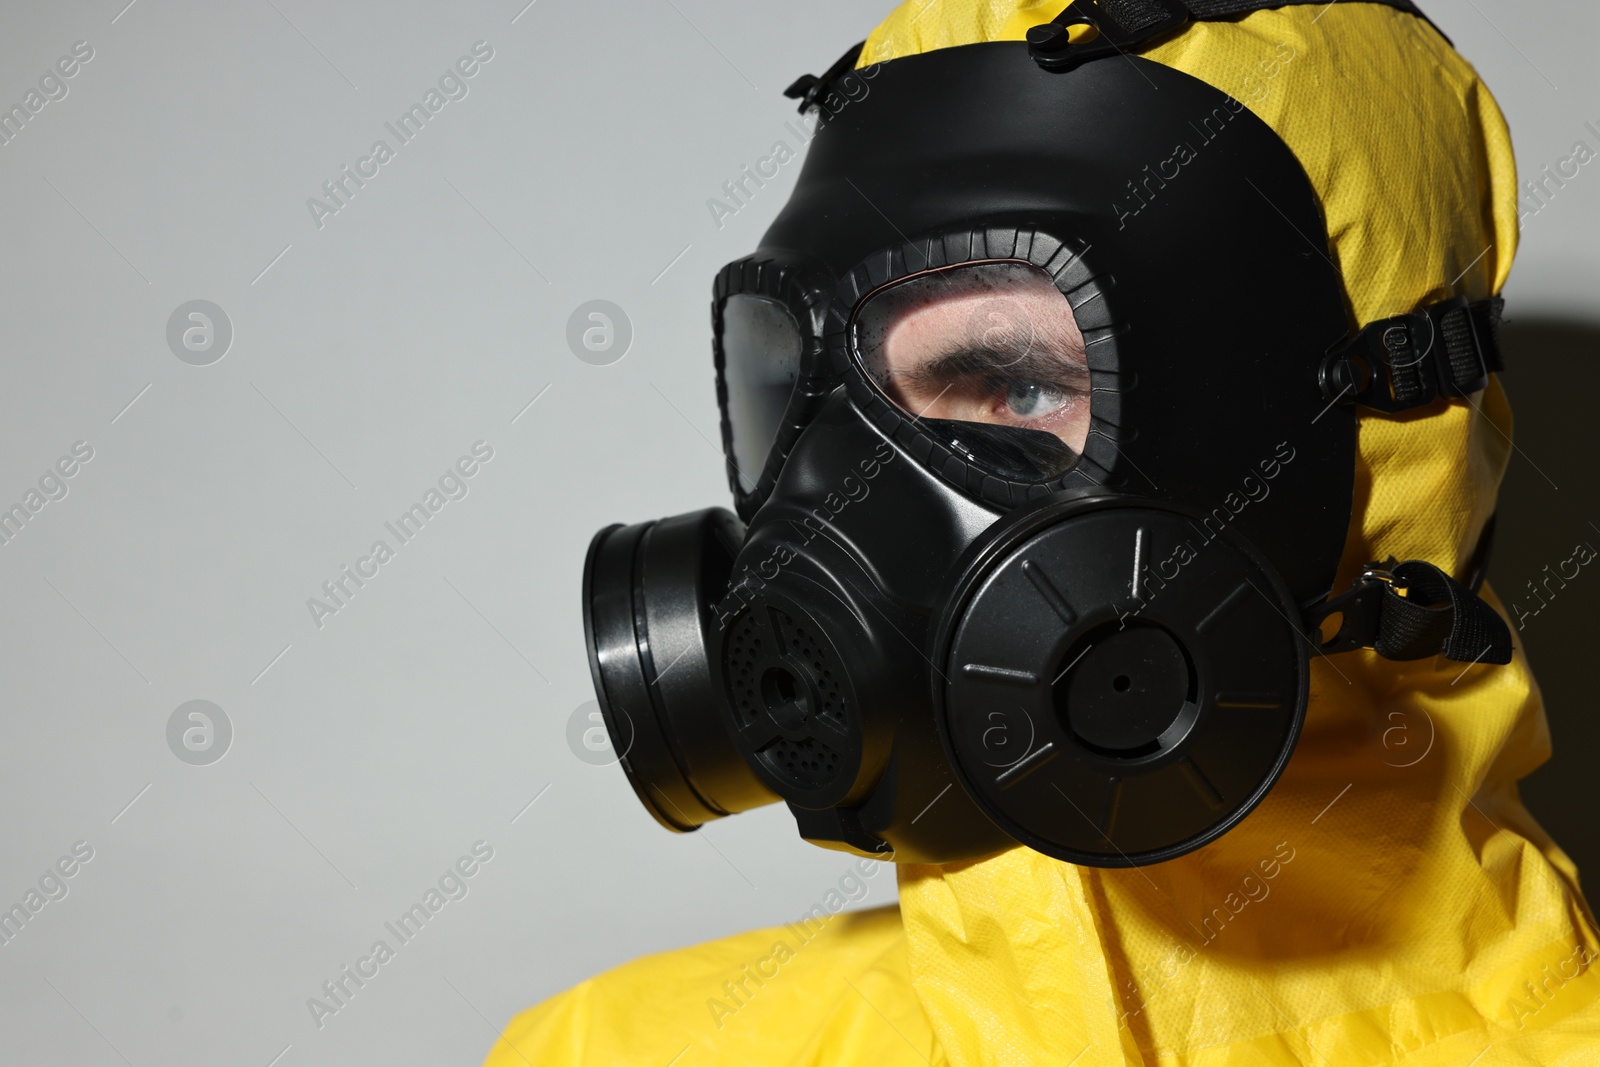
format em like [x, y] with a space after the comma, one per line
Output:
[1118, 25]
[1405, 362]
[809, 88]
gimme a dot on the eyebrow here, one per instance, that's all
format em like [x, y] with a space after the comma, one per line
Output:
[968, 362]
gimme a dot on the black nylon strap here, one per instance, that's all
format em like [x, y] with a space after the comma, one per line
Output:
[1139, 16]
[1436, 615]
[1221, 9]
[1128, 12]
[1123, 25]
[1447, 349]
[1439, 614]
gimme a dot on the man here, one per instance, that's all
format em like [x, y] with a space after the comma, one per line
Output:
[1389, 901]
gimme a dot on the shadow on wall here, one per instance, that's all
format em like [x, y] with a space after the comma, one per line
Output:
[1548, 508]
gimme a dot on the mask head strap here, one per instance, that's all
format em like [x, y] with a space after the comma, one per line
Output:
[1447, 349]
[1437, 615]
[1091, 29]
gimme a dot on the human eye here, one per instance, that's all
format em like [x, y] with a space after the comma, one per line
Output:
[994, 344]
[1029, 399]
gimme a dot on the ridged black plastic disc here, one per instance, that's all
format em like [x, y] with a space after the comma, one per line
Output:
[1122, 682]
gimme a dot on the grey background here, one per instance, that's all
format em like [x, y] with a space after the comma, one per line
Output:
[367, 356]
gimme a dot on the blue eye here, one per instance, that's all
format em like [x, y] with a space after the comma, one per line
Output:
[1030, 399]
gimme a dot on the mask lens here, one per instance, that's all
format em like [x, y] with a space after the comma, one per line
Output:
[988, 357]
[761, 345]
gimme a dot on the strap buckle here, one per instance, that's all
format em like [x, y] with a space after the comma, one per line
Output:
[1360, 609]
[1116, 27]
[1409, 361]
[1377, 573]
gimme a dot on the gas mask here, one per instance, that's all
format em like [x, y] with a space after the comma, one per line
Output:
[1039, 406]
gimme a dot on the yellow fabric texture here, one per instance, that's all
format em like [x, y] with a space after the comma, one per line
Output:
[1391, 901]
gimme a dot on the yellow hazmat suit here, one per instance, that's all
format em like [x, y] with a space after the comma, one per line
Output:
[1391, 901]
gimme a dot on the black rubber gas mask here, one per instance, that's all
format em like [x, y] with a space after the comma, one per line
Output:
[1038, 408]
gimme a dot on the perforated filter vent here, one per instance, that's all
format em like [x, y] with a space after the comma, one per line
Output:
[745, 648]
[802, 741]
[809, 652]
